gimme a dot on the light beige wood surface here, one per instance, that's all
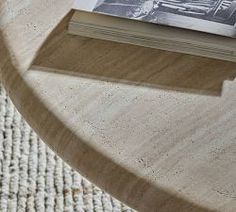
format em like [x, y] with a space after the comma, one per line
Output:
[155, 129]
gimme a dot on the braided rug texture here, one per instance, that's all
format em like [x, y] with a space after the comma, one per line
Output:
[33, 178]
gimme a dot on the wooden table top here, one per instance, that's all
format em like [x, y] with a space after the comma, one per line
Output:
[155, 129]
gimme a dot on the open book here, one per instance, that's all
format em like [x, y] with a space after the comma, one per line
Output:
[198, 27]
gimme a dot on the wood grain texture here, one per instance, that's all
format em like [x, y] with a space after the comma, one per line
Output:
[156, 129]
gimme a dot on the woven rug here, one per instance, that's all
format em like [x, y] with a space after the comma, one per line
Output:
[33, 178]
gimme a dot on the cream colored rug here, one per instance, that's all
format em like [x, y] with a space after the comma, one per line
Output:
[33, 178]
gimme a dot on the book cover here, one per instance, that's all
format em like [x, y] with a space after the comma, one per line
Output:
[212, 16]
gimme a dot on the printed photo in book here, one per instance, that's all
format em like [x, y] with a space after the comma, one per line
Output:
[214, 16]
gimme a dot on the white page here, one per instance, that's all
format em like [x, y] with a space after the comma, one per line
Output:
[86, 5]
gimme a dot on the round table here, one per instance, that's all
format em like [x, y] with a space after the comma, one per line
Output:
[155, 129]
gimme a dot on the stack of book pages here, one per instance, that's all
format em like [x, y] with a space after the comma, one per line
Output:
[204, 27]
